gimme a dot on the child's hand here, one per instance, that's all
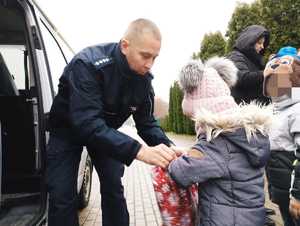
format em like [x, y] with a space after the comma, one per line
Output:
[195, 153]
[295, 208]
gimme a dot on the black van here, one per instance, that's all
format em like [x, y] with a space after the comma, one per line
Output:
[32, 57]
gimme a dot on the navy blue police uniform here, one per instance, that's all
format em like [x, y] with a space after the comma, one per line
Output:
[97, 93]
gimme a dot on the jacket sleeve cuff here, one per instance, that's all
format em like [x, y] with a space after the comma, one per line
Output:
[295, 193]
[133, 154]
[171, 143]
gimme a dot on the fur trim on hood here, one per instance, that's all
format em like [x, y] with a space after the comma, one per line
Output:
[252, 117]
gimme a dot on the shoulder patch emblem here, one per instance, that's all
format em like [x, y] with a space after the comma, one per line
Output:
[103, 61]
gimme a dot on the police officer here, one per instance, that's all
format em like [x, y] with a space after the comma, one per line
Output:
[100, 88]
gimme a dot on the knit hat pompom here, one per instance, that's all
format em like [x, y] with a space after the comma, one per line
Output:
[225, 68]
[191, 75]
[211, 86]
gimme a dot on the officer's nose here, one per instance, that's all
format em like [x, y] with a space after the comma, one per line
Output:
[149, 64]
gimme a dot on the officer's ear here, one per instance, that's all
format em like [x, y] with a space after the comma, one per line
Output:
[124, 44]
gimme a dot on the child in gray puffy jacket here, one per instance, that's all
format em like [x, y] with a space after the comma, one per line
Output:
[232, 149]
[282, 84]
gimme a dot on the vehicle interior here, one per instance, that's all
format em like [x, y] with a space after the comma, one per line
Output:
[21, 196]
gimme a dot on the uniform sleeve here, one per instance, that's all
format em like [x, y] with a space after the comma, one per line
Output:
[86, 114]
[147, 126]
[246, 77]
[189, 170]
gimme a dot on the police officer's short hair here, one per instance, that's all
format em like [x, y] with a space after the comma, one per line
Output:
[141, 26]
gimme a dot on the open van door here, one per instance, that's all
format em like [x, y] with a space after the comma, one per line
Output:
[22, 119]
[32, 57]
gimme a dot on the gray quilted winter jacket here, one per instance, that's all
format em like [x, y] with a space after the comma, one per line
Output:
[230, 175]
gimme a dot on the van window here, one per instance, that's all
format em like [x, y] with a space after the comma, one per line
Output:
[57, 61]
[13, 58]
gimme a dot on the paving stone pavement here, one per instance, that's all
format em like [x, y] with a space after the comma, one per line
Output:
[139, 193]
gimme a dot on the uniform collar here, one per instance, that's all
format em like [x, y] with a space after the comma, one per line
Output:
[124, 66]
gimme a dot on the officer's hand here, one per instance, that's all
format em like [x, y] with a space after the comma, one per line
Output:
[179, 150]
[295, 208]
[160, 155]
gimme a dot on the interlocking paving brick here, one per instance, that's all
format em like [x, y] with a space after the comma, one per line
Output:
[139, 194]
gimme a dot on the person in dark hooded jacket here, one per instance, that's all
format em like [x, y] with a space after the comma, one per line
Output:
[247, 55]
[232, 149]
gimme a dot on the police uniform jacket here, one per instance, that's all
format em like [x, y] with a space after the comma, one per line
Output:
[97, 93]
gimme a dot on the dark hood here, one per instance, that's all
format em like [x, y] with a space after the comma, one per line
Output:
[257, 150]
[247, 39]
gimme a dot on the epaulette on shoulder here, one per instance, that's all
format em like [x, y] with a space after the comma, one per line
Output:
[101, 62]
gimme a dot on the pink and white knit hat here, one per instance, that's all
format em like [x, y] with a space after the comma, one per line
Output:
[206, 86]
